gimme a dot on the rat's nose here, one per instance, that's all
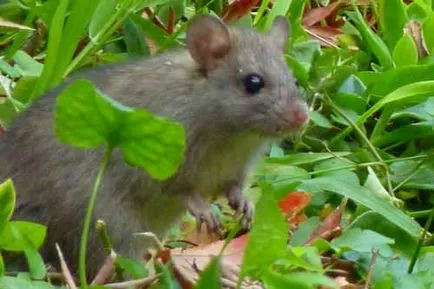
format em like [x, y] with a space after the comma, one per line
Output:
[295, 115]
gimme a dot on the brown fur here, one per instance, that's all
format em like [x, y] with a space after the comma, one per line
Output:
[227, 131]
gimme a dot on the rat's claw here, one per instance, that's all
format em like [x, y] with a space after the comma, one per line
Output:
[241, 206]
[211, 220]
[203, 213]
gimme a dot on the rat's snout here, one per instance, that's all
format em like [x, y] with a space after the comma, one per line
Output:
[294, 115]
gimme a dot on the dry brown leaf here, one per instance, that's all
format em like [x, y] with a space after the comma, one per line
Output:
[318, 14]
[12, 25]
[414, 29]
[329, 227]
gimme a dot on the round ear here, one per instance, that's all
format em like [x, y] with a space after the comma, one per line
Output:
[280, 32]
[207, 41]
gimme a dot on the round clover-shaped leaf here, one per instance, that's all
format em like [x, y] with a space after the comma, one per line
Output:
[87, 118]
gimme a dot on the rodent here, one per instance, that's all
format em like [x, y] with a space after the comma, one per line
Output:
[232, 91]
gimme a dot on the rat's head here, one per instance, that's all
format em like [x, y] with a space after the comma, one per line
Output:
[247, 76]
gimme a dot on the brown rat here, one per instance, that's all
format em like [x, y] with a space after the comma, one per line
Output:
[232, 91]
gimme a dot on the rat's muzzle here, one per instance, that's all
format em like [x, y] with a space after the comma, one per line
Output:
[294, 115]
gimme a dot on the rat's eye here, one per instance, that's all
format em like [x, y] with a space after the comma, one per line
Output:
[253, 83]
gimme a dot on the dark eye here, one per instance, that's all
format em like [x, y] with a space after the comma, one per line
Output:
[253, 83]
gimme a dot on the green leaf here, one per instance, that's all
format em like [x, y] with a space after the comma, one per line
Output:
[78, 19]
[7, 282]
[136, 269]
[7, 113]
[362, 240]
[268, 237]
[21, 235]
[305, 158]
[404, 134]
[102, 14]
[36, 264]
[423, 179]
[166, 280]
[373, 41]
[405, 52]
[280, 7]
[304, 231]
[151, 31]
[427, 28]
[299, 280]
[393, 79]
[385, 283]
[26, 65]
[210, 277]
[8, 69]
[86, 118]
[403, 93]
[23, 88]
[55, 35]
[2, 265]
[306, 258]
[392, 20]
[135, 39]
[361, 195]
[7, 201]
[375, 222]
[296, 11]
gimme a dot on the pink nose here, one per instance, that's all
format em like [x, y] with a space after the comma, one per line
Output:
[295, 116]
[300, 117]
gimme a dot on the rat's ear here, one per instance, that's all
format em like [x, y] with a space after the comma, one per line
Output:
[208, 41]
[280, 32]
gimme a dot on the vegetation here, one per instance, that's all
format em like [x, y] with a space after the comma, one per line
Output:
[354, 188]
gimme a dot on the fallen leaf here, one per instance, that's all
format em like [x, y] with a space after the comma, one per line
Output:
[9, 24]
[325, 34]
[189, 263]
[294, 203]
[237, 9]
[414, 29]
[329, 227]
[318, 14]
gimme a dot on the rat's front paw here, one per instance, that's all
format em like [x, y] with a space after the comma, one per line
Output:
[242, 206]
[203, 213]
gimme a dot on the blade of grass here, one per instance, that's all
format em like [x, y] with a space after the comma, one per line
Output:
[402, 93]
[104, 33]
[81, 14]
[393, 18]
[54, 40]
[374, 42]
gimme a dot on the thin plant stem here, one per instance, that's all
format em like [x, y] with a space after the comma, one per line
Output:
[370, 146]
[411, 175]
[421, 242]
[356, 166]
[419, 214]
[88, 218]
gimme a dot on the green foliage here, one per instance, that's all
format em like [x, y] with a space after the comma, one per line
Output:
[268, 238]
[369, 140]
[152, 143]
[210, 278]
[19, 236]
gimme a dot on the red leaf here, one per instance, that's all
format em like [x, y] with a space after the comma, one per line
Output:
[189, 263]
[294, 202]
[329, 226]
[325, 34]
[317, 14]
[237, 9]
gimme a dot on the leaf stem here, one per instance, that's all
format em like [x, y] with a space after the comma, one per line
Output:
[421, 242]
[370, 146]
[88, 218]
